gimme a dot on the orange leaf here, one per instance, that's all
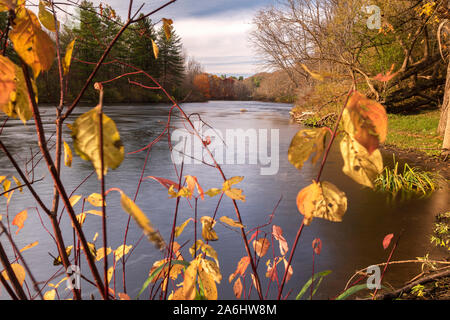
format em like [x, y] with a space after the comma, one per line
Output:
[237, 288]
[192, 182]
[124, 296]
[366, 120]
[19, 220]
[277, 232]
[261, 246]
[241, 267]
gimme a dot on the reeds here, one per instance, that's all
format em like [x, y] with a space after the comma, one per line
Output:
[411, 181]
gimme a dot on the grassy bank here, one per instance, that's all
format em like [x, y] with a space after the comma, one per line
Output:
[415, 132]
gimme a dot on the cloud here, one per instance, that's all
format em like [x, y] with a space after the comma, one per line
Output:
[219, 41]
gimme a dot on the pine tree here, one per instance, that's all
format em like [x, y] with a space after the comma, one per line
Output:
[171, 61]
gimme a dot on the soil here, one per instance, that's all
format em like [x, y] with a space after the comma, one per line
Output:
[418, 159]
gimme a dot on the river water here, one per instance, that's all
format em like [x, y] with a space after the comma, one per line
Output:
[348, 246]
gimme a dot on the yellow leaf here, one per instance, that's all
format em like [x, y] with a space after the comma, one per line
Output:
[121, 251]
[80, 218]
[19, 220]
[17, 183]
[212, 269]
[7, 79]
[95, 237]
[143, 222]
[32, 44]
[19, 103]
[94, 212]
[231, 222]
[50, 295]
[86, 140]
[314, 75]
[92, 249]
[67, 155]
[6, 5]
[167, 25]
[210, 252]
[208, 233]
[68, 57]
[190, 277]
[47, 19]
[74, 199]
[58, 284]
[31, 245]
[232, 181]
[101, 253]
[213, 192]
[6, 187]
[179, 230]
[322, 200]
[155, 49]
[235, 194]
[95, 199]
[305, 143]
[208, 284]
[18, 270]
[359, 165]
[58, 260]
[110, 273]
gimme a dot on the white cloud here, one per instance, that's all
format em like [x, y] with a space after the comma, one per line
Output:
[219, 42]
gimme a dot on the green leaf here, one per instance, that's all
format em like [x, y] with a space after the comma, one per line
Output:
[350, 291]
[306, 143]
[318, 275]
[86, 140]
[157, 271]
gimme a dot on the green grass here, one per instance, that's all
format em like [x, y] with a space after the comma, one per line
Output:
[415, 132]
[408, 182]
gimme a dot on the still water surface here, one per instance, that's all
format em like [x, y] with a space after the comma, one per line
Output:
[348, 246]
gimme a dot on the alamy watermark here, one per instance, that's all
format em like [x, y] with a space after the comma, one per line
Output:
[74, 277]
[374, 20]
[374, 279]
[234, 146]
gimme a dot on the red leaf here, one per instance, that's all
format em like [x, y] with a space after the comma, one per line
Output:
[317, 245]
[164, 182]
[387, 240]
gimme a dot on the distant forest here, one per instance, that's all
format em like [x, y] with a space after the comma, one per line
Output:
[93, 28]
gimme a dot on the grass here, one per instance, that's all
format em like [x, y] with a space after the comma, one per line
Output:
[409, 182]
[415, 132]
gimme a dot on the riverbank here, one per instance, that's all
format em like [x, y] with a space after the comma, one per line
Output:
[412, 138]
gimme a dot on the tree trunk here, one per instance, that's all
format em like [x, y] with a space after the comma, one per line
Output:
[444, 123]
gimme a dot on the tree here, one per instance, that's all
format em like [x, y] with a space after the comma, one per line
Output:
[333, 38]
[171, 61]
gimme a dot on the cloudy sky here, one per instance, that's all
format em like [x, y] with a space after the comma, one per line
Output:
[215, 32]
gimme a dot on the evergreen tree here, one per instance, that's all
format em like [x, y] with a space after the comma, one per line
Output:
[171, 61]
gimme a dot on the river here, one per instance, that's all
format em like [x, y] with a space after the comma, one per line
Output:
[348, 246]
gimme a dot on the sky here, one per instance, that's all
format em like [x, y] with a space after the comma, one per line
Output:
[214, 32]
